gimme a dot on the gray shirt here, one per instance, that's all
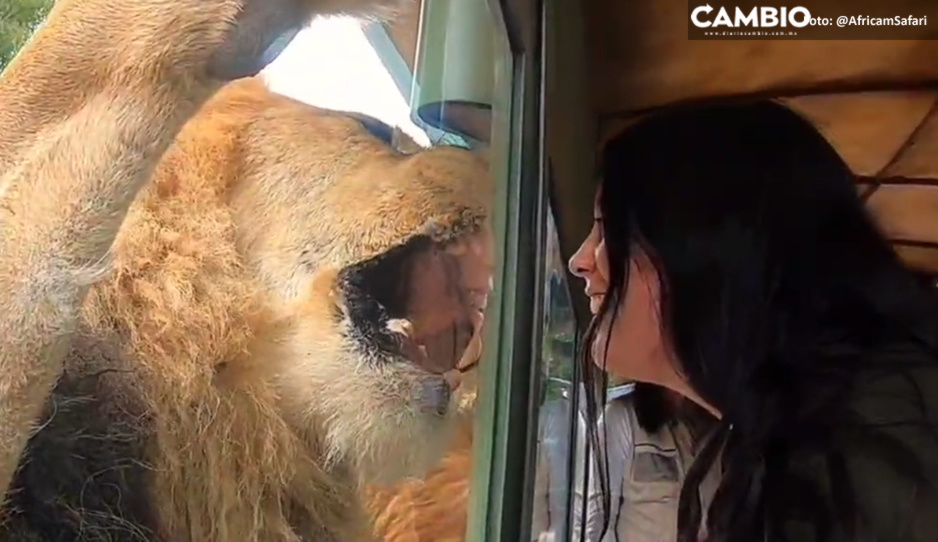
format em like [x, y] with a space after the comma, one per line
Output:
[615, 435]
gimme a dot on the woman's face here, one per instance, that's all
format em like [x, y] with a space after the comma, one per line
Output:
[635, 346]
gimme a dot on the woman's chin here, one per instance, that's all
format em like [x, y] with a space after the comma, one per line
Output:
[595, 303]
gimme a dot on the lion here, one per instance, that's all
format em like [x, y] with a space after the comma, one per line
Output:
[433, 508]
[224, 312]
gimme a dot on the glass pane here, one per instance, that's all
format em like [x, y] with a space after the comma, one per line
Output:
[553, 481]
[441, 75]
[335, 65]
[345, 262]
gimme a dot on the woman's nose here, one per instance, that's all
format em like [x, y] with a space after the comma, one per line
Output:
[580, 263]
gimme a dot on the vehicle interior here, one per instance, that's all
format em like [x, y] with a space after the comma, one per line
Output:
[580, 73]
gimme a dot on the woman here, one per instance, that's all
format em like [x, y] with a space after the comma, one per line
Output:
[731, 262]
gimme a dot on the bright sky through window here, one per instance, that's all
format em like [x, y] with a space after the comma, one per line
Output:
[331, 64]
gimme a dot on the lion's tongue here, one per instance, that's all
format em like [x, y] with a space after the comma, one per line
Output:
[453, 379]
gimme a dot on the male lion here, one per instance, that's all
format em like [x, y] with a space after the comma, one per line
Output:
[272, 324]
[435, 507]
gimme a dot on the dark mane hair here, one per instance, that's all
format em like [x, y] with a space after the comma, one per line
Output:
[791, 314]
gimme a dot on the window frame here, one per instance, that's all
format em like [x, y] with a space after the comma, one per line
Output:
[504, 452]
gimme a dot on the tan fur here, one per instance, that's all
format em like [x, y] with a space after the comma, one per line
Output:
[223, 338]
[434, 508]
[223, 273]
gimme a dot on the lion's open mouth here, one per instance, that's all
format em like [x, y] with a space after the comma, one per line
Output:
[423, 302]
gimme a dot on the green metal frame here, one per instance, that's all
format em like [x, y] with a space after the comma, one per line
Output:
[503, 472]
[397, 67]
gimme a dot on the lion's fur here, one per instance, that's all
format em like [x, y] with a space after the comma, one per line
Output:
[216, 350]
[435, 507]
[224, 290]
[90, 105]
[181, 291]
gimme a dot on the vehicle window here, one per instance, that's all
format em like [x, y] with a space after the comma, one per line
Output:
[557, 419]
[358, 252]
[333, 65]
[443, 76]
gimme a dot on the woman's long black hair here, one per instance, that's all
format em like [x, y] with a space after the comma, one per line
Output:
[790, 313]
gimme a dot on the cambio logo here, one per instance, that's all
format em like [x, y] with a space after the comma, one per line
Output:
[757, 17]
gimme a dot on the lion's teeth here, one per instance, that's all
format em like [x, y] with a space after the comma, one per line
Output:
[456, 249]
[478, 299]
[402, 326]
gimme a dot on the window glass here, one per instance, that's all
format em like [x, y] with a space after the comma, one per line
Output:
[442, 75]
[385, 297]
[557, 419]
[332, 64]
